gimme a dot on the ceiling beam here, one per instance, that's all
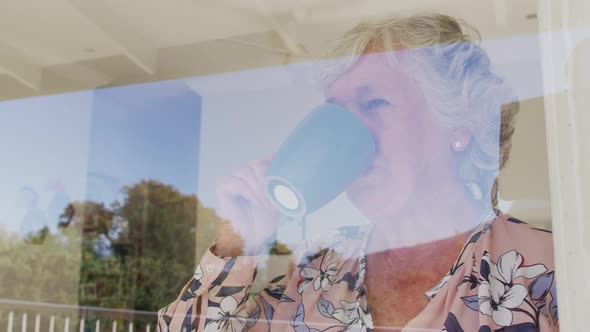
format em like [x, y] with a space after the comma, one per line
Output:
[286, 29]
[117, 29]
[259, 10]
[30, 74]
[22, 71]
[84, 75]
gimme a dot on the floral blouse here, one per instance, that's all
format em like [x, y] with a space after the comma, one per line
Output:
[502, 280]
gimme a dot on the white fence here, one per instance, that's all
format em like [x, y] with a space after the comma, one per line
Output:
[23, 316]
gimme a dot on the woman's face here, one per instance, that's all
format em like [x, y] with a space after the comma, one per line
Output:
[413, 150]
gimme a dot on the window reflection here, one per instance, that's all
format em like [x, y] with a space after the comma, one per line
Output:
[401, 181]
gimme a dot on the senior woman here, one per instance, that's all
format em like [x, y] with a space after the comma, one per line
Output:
[437, 255]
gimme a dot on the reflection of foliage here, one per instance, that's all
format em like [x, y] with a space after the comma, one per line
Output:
[139, 253]
[279, 248]
[44, 267]
[136, 254]
[38, 237]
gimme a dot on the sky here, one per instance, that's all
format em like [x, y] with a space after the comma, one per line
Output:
[88, 144]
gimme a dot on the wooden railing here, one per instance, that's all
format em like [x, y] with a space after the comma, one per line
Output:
[21, 316]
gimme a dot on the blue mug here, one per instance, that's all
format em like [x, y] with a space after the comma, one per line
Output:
[323, 155]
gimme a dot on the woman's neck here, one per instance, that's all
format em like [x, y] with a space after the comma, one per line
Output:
[438, 215]
[397, 279]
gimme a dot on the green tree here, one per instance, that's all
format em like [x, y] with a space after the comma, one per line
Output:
[42, 268]
[161, 232]
[134, 254]
[152, 239]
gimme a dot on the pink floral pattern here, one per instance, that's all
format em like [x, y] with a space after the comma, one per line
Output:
[502, 280]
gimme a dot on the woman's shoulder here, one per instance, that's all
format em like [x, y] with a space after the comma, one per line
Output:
[509, 230]
[506, 274]
[517, 224]
[508, 236]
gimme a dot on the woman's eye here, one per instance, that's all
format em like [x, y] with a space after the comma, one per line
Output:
[375, 103]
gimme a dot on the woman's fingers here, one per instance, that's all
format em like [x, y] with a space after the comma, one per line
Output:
[260, 168]
[242, 194]
[243, 203]
[234, 195]
[254, 181]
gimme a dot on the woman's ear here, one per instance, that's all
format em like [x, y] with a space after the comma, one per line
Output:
[460, 139]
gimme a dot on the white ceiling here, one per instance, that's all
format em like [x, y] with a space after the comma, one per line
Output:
[66, 45]
[62, 45]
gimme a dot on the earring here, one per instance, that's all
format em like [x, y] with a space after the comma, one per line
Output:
[474, 190]
[457, 145]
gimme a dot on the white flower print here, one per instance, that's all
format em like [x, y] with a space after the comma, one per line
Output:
[353, 315]
[227, 317]
[509, 267]
[321, 279]
[198, 273]
[497, 300]
[498, 294]
[326, 278]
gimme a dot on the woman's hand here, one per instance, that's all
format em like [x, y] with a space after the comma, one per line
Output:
[248, 217]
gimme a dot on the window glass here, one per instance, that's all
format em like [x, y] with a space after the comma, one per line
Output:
[305, 165]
